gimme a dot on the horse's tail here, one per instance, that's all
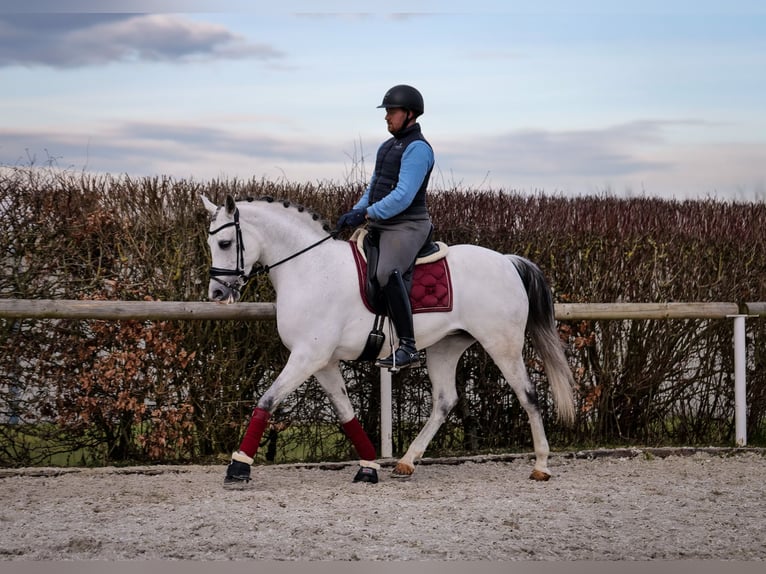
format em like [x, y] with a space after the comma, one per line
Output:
[541, 327]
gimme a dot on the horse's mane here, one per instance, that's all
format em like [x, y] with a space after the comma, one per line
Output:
[286, 203]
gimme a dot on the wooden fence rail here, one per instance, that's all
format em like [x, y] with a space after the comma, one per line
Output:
[207, 310]
[136, 310]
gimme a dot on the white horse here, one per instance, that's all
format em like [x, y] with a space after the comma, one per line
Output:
[322, 320]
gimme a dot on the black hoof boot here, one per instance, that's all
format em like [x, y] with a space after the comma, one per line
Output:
[366, 474]
[237, 475]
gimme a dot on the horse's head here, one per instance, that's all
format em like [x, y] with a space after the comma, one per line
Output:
[228, 271]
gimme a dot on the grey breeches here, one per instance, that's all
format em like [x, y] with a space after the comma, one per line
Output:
[399, 245]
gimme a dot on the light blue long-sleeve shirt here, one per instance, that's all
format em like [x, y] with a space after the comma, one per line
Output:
[417, 159]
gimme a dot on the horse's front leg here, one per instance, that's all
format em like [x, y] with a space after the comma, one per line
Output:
[331, 380]
[442, 359]
[299, 368]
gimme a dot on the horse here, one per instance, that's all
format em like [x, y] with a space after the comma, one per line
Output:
[322, 320]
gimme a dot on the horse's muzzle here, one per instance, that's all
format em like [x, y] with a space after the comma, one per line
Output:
[223, 291]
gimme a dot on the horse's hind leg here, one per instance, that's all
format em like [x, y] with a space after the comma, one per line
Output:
[442, 360]
[514, 371]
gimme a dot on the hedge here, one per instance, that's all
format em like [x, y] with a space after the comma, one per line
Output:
[101, 392]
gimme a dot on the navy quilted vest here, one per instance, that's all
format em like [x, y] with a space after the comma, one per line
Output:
[387, 165]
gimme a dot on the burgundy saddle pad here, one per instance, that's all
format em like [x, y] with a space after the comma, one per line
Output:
[431, 284]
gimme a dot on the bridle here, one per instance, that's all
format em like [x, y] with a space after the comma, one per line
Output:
[242, 278]
[217, 272]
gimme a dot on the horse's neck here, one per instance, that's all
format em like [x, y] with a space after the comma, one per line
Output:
[281, 231]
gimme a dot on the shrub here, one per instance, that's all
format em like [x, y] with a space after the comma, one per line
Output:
[183, 390]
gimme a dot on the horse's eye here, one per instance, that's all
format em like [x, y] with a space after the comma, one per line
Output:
[224, 244]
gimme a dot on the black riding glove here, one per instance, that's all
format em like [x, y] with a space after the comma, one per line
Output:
[353, 218]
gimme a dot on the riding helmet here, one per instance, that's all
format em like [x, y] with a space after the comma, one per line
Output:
[403, 96]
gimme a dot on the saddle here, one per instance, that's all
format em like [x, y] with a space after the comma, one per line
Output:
[428, 282]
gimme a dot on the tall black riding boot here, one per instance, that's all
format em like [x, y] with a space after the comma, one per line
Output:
[400, 313]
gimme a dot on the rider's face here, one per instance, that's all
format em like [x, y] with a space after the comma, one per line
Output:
[395, 119]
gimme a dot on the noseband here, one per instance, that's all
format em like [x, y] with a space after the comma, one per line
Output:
[242, 277]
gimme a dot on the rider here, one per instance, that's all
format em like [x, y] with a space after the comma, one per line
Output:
[394, 204]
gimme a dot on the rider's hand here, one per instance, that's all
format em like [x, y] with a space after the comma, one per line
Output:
[353, 218]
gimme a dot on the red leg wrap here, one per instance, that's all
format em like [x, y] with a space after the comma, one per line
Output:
[252, 438]
[359, 439]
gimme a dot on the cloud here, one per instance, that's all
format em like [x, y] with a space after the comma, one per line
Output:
[638, 156]
[143, 148]
[611, 151]
[198, 141]
[79, 40]
[644, 155]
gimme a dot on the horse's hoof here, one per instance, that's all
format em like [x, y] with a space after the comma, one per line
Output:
[235, 484]
[366, 474]
[402, 470]
[237, 475]
[539, 475]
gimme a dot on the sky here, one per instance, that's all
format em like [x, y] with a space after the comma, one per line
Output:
[557, 97]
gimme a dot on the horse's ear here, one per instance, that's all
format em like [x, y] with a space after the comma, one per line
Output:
[231, 205]
[209, 205]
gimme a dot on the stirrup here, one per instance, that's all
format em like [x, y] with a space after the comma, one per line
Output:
[399, 359]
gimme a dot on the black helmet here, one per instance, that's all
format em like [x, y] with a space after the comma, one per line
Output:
[403, 96]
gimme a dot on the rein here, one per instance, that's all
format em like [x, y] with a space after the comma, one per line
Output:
[264, 269]
[242, 277]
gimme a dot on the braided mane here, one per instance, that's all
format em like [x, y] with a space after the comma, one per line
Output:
[287, 204]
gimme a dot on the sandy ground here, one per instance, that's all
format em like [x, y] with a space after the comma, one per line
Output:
[655, 504]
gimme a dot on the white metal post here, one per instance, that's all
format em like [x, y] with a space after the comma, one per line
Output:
[740, 388]
[386, 424]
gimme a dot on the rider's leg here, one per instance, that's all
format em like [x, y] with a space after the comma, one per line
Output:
[399, 244]
[400, 313]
